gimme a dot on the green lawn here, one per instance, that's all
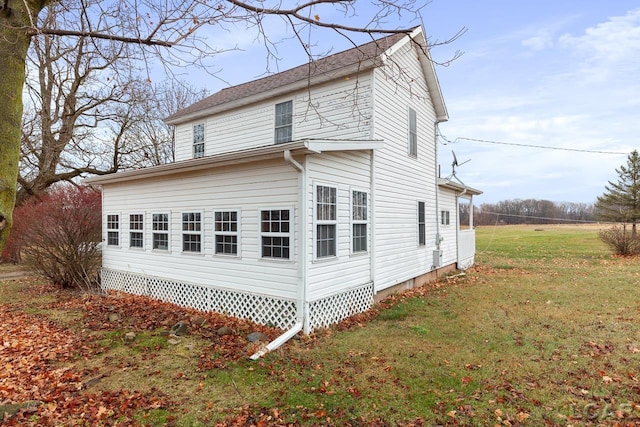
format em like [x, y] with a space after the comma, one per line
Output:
[543, 330]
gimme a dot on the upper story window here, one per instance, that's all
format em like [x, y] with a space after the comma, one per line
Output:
[136, 231]
[275, 233]
[226, 232]
[198, 140]
[359, 221]
[326, 221]
[413, 132]
[113, 230]
[160, 226]
[192, 232]
[284, 122]
[422, 225]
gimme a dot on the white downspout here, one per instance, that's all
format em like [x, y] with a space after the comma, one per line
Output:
[278, 341]
[437, 188]
[302, 290]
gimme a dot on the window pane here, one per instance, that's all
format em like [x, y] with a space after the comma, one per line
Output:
[198, 140]
[413, 132]
[160, 241]
[359, 237]
[112, 238]
[160, 222]
[359, 206]
[284, 122]
[227, 245]
[326, 203]
[136, 240]
[326, 241]
[191, 243]
[275, 221]
[421, 224]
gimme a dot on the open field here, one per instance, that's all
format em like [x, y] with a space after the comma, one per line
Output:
[545, 330]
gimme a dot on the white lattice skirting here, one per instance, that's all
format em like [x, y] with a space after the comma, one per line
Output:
[333, 309]
[258, 308]
[261, 309]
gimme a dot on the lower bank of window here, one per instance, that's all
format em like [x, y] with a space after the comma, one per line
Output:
[160, 225]
[113, 230]
[192, 232]
[136, 231]
[226, 232]
[326, 221]
[275, 233]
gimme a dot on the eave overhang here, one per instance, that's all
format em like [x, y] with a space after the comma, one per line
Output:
[302, 147]
[458, 187]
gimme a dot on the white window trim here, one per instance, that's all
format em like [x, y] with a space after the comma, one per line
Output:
[118, 230]
[290, 234]
[317, 222]
[445, 217]
[353, 222]
[409, 133]
[424, 235]
[201, 233]
[275, 141]
[130, 230]
[168, 232]
[204, 140]
[237, 233]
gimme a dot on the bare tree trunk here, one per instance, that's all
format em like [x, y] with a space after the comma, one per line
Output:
[15, 16]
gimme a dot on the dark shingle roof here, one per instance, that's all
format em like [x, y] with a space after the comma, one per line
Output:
[365, 55]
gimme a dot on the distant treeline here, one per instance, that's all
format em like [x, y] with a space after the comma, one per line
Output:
[529, 211]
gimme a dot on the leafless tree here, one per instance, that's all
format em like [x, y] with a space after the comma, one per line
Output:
[171, 31]
[87, 112]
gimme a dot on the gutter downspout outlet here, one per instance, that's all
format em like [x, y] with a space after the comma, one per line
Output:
[278, 341]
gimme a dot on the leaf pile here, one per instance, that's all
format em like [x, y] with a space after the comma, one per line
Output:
[38, 388]
[35, 390]
[140, 313]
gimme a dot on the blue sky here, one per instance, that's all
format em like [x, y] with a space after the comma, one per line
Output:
[557, 73]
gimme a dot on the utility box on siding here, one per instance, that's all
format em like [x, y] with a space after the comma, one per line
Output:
[437, 258]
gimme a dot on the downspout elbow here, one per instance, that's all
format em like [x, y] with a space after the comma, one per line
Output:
[278, 341]
[293, 162]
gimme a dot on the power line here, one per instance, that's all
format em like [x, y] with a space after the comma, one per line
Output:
[546, 147]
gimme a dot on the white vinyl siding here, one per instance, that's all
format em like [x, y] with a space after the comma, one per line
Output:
[341, 111]
[343, 171]
[447, 202]
[397, 87]
[246, 188]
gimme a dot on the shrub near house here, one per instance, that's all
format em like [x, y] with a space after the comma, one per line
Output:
[58, 236]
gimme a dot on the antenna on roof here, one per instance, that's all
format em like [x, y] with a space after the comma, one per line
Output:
[455, 163]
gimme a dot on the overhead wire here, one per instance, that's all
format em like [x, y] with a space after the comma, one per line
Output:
[546, 147]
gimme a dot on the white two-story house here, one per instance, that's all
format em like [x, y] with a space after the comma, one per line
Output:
[296, 199]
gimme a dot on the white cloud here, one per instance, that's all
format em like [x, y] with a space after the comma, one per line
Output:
[539, 42]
